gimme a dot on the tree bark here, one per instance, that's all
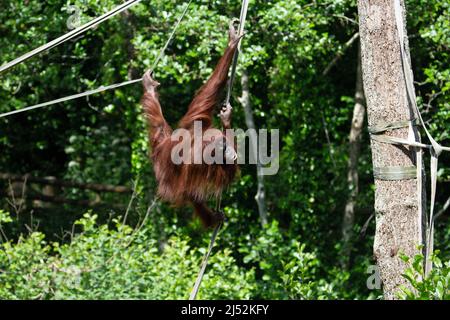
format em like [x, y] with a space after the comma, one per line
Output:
[352, 175]
[250, 122]
[398, 218]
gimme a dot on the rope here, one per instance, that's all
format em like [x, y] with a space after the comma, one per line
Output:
[201, 273]
[198, 281]
[104, 88]
[242, 19]
[161, 53]
[72, 97]
[435, 148]
[70, 35]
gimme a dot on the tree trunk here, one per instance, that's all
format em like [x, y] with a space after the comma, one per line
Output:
[352, 176]
[398, 218]
[250, 122]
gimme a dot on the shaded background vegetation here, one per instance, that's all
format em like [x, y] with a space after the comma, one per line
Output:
[102, 139]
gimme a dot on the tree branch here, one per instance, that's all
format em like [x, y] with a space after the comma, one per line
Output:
[347, 45]
[66, 184]
[62, 200]
[249, 120]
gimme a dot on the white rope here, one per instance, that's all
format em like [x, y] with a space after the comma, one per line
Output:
[435, 148]
[72, 97]
[103, 88]
[242, 19]
[199, 279]
[161, 53]
[70, 35]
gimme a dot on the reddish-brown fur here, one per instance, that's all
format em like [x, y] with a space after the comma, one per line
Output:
[190, 183]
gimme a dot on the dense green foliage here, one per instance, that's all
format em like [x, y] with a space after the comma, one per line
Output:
[434, 286]
[104, 263]
[54, 250]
